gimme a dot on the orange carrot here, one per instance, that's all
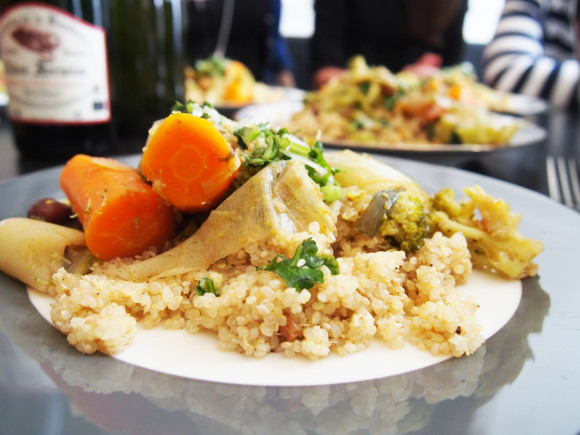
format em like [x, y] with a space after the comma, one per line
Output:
[120, 213]
[189, 162]
[240, 83]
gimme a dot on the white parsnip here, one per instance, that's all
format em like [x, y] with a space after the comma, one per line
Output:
[32, 250]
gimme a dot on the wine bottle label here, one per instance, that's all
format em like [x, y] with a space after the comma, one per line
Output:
[55, 66]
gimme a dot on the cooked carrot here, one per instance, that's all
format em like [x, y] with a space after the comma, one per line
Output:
[120, 213]
[240, 83]
[189, 162]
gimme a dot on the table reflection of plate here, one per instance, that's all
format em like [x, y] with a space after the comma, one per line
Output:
[277, 114]
[172, 352]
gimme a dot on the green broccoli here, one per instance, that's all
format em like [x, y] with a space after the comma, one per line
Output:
[398, 215]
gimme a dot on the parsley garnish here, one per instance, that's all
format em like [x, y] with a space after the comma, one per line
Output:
[206, 285]
[273, 145]
[302, 271]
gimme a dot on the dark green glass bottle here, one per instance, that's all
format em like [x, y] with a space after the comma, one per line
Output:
[146, 50]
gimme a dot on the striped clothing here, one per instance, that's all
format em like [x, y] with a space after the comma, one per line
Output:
[534, 51]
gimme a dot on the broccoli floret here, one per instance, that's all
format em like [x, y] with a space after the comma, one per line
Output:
[406, 222]
[491, 231]
[398, 215]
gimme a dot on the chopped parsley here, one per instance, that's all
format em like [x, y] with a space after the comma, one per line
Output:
[302, 271]
[268, 145]
[206, 285]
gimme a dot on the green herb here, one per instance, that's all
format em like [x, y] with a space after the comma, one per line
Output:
[355, 125]
[190, 106]
[390, 100]
[270, 145]
[302, 271]
[206, 285]
[455, 139]
[364, 87]
[214, 66]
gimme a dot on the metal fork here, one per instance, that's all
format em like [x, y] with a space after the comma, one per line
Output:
[563, 180]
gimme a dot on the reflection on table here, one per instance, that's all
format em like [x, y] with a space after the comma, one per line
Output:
[122, 398]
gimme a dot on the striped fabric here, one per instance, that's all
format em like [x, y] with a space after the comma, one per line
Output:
[534, 51]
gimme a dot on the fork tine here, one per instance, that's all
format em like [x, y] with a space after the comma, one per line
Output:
[552, 176]
[564, 181]
[574, 181]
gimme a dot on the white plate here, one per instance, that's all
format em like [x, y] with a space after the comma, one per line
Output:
[196, 356]
[277, 114]
[281, 94]
[526, 105]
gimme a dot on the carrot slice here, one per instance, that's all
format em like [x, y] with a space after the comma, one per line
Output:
[189, 162]
[120, 213]
[240, 83]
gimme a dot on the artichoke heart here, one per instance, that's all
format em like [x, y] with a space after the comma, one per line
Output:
[375, 176]
[280, 198]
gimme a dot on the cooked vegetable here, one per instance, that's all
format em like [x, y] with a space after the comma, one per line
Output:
[302, 271]
[50, 210]
[493, 237]
[371, 220]
[220, 80]
[406, 222]
[120, 213]
[281, 198]
[465, 127]
[266, 145]
[375, 176]
[189, 162]
[206, 285]
[31, 250]
[398, 215]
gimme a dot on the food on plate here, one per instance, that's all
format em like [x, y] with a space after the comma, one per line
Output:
[120, 213]
[189, 162]
[223, 81]
[307, 253]
[493, 238]
[32, 249]
[370, 104]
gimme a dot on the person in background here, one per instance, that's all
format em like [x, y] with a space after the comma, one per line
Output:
[253, 39]
[535, 51]
[419, 35]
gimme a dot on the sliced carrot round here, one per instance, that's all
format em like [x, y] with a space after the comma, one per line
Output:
[189, 162]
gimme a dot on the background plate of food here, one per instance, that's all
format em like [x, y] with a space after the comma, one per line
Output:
[229, 85]
[370, 107]
[489, 134]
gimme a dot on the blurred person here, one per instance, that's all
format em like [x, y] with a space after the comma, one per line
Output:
[535, 51]
[418, 35]
[253, 39]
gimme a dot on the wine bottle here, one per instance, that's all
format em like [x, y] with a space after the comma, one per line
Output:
[147, 63]
[56, 67]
